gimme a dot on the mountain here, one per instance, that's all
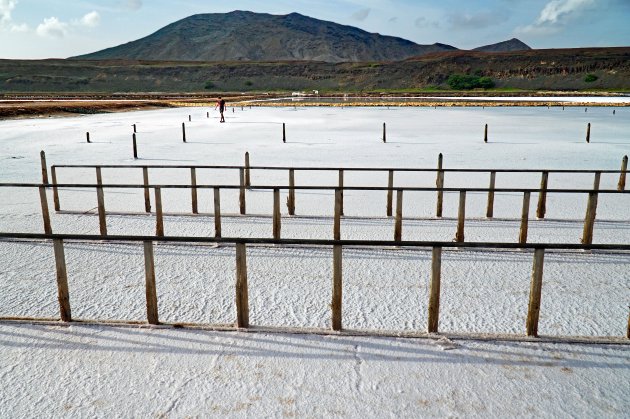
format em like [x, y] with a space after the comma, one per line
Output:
[505, 46]
[248, 36]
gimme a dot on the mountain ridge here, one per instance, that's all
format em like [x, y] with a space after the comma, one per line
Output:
[249, 36]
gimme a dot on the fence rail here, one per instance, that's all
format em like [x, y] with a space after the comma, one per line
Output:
[241, 288]
[587, 237]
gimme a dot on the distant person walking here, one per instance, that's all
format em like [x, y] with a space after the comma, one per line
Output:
[221, 105]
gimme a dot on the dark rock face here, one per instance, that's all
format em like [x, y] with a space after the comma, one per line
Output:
[505, 46]
[248, 36]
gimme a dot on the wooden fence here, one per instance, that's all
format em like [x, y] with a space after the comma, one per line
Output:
[336, 318]
[588, 227]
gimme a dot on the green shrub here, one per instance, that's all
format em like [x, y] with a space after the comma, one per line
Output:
[248, 83]
[209, 85]
[468, 82]
[590, 78]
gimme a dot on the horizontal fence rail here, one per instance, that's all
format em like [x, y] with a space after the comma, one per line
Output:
[587, 237]
[336, 323]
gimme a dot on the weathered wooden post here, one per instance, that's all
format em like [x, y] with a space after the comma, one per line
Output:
[341, 191]
[490, 206]
[461, 217]
[217, 212]
[384, 133]
[100, 197]
[589, 219]
[284, 133]
[193, 190]
[291, 197]
[336, 303]
[208, 115]
[542, 196]
[241, 194]
[150, 288]
[622, 176]
[276, 214]
[62, 281]
[337, 219]
[398, 219]
[147, 195]
[439, 183]
[134, 128]
[485, 134]
[87, 137]
[248, 181]
[242, 301]
[135, 146]
[42, 157]
[184, 131]
[390, 192]
[533, 311]
[53, 172]
[588, 133]
[45, 213]
[434, 293]
[159, 218]
[189, 118]
[522, 237]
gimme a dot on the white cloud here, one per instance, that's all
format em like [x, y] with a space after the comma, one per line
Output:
[91, 19]
[52, 27]
[555, 16]
[6, 21]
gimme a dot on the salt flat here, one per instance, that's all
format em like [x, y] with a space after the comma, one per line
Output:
[180, 372]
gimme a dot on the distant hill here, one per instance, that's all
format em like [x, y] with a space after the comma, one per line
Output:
[248, 36]
[505, 46]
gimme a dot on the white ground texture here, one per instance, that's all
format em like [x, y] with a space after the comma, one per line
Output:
[95, 370]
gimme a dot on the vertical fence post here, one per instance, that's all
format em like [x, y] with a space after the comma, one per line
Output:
[248, 181]
[490, 206]
[533, 310]
[461, 217]
[622, 176]
[189, 118]
[159, 218]
[398, 219]
[135, 146]
[588, 133]
[134, 128]
[193, 190]
[217, 212]
[87, 137]
[150, 288]
[434, 294]
[522, 236]
[63, 295]
[53, 172]
[284, 133]
[384, 133]
[147, 195]
[291, 198]
[439, 183]
[337, 287]
[542, 196]
[184, 131]
[597, 180]
[242, 303]
[276, 214]
[241, 194]
[589, 219]
[341, 191]
[45, 213]
[337, 219]
[42, 157]
[390, 192]
[485, 134]
[100, 197]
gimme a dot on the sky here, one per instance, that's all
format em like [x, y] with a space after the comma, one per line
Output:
[33, 29]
